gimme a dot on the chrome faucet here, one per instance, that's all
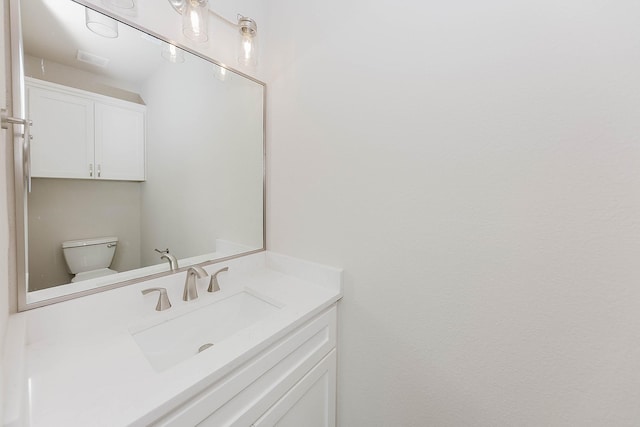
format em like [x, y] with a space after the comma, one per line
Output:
[173, 262]
[190, 289]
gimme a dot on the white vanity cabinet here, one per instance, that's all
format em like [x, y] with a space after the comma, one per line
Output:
[291, 383]
[79, 134]
[82, 363]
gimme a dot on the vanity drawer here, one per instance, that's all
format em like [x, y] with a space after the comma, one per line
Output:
[248, 392]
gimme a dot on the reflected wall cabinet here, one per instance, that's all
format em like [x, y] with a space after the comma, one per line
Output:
[83, 135]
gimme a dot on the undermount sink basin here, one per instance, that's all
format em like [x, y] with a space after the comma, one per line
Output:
[182, 337]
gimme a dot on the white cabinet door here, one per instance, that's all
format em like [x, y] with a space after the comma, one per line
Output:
[120, 142]
[62, 145]
[310, 403]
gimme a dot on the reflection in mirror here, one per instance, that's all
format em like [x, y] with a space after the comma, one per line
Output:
[137, 146]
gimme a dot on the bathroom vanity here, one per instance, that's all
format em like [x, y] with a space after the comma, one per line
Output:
[259, 352]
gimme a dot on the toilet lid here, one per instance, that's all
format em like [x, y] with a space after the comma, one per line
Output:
[86, 275]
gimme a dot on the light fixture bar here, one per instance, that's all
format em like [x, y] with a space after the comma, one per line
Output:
[194, 26]
[243, 21]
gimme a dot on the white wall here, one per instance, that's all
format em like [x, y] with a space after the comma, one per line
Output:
[475, 168]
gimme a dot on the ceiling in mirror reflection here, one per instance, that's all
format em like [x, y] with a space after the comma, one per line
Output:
[55, 30]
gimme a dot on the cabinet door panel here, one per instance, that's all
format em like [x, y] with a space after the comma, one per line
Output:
[310, 403]
[120, 136]
[62, 145]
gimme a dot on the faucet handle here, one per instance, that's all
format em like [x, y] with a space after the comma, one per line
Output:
[213, 283]
[163, 299]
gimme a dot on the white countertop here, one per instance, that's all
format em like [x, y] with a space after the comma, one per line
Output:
[83, 367]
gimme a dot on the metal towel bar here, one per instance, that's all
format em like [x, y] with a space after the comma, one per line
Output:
[5, 121]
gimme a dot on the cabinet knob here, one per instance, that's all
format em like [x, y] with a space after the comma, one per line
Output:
[99, 171]
[91, 170]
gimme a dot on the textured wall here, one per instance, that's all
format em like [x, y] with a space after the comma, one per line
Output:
[475, 168]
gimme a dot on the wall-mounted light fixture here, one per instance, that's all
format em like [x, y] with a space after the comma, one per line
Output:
[248, 49]
[195, 19]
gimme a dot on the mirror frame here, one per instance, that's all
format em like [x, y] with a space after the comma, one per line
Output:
[20, 188]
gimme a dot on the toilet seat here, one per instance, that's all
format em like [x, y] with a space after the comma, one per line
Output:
[86, 275]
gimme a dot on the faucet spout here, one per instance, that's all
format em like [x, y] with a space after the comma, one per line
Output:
[190, 289]
[173, 262]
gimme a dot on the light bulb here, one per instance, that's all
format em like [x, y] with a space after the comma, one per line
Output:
[248, 48]
[195, 20]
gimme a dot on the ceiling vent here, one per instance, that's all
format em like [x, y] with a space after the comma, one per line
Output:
[92, 59]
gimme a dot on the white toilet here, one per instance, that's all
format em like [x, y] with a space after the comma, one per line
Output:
[90, 258]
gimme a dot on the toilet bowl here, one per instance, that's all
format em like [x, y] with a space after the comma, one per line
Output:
[90, 258]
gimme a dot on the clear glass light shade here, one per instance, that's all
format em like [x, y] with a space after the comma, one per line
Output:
[100, 24]
[248, 47]
[195, 20]
[172, 54]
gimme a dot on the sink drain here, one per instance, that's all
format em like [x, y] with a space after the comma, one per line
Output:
[203, 347]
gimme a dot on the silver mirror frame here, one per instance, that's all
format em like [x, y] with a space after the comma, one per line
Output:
[20, 188]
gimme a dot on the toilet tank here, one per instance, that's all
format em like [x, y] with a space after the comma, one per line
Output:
[89, 254]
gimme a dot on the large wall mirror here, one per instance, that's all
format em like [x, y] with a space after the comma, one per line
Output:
[138, 147]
